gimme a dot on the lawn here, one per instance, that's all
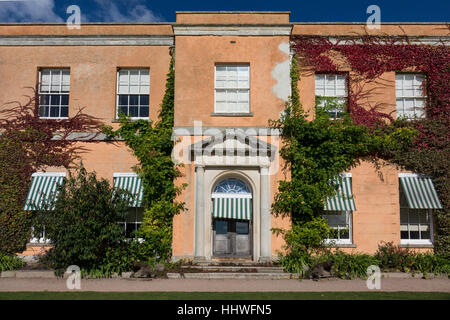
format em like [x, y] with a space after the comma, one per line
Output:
[224, 295]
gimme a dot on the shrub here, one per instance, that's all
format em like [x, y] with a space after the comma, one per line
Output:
[431, 263]
[83, 226]
[27, 145]
[349, 266]
[10, 262]
[303, 241]
[394, 257]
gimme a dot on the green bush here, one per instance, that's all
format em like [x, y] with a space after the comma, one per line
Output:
[350, 266]
[431, 263]
[83, 226]
[392, 257]
[303, 241]
[10, 262]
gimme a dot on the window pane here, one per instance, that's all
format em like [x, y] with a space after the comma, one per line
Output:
[124, 110]
[44, 111]
[145, 77]
[133, 112]
[221, 107]
[143, 100]
[143, 112]
[64, 112]
[134, 100]
[241, 227]
[134, 77]
[123, 100]
[414, 216]
[123, 76]
[243, 107]
[65, 100]
[54, 112]
[404, 235]
[404, 215]
[243, 95]
[221, 96]
[54, 100]
[221, 227]
[344, 233]
[123, 89]
[231, 96]
[134, 89]
[44, 100]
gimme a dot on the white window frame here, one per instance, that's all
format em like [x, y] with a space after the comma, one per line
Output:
[334, 95]
[124, 223]
[248, 111]
[130, 94]
[414, 97]
[43, 239]
[430, 212]
[49, 93]
[350, 231]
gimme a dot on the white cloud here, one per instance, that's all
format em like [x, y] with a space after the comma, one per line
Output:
[109, 12]
[28, 11]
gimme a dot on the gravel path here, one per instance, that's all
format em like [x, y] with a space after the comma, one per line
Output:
[189, 285]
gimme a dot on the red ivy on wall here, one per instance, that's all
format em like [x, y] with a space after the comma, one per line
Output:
[369, 57]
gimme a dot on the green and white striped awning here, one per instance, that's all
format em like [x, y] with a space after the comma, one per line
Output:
[131, 183]
[419, 191]
[343, 199]
[232, 207]
[43, 190]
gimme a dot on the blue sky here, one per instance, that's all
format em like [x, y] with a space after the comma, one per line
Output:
[161, 11]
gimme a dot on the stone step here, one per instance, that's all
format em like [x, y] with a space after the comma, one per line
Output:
[236, 269]
[29, 274]
[232, 275]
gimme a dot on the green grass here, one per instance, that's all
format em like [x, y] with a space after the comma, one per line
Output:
[224, 295]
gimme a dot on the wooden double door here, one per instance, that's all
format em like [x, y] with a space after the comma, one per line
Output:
[232, 237]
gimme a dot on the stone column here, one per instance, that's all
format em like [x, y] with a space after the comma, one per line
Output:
[265, 254]
[199, 230]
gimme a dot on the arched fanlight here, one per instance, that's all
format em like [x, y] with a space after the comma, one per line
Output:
[232, 185]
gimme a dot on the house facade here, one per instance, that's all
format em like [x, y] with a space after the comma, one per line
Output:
[232, 75]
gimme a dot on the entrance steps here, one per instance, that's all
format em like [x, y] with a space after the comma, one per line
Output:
[231, 272]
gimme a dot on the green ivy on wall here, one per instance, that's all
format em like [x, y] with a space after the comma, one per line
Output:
[152, 145]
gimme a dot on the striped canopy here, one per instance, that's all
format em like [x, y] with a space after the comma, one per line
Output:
[419, 192]
[232, 207]
[131, 183]
[43, 190]
[343, 200]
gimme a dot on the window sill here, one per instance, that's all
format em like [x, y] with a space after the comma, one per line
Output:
[237, 114]
[132, 119]
[54, 118]
[416, 245]
[39, 243]
[335, 244]
[343, 245]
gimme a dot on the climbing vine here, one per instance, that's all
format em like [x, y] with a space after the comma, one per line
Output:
[319, 149]
[28, 144]
[152, 145]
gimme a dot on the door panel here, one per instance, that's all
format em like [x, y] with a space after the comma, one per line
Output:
[242, 238]
[222, 243]
[231, 237]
